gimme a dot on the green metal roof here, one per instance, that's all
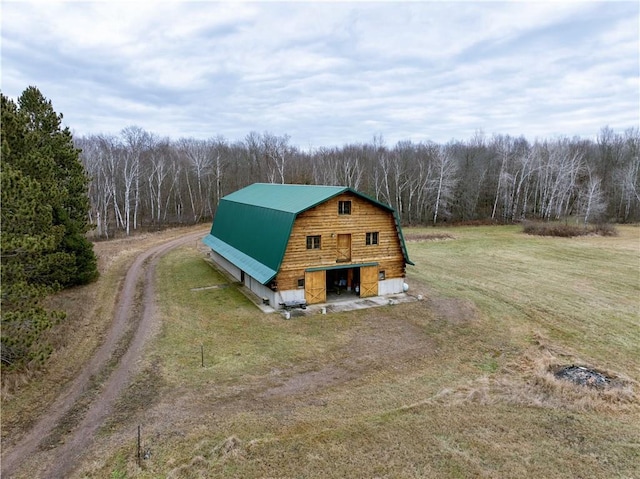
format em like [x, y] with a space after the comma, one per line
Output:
[243, 261]
[293, 199]
[252, 226]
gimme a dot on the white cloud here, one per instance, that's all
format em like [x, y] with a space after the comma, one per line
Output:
[329, 72]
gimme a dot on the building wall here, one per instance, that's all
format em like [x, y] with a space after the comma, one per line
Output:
[260, 290]
[232, 269]
[390, 286]
[324, 221]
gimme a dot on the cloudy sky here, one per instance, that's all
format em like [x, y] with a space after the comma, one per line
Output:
[329, 73]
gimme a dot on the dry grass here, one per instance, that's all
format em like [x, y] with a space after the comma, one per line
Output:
[529, 381]
[413, 237]
[456, 385]
[90, 309]
[566, 230]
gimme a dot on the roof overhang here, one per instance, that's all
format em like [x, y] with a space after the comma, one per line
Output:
[246, 263]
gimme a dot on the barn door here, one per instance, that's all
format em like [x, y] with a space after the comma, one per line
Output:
[368, 281]
[315, 287]
[344, 248]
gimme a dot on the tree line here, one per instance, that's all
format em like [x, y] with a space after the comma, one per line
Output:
[140, 180]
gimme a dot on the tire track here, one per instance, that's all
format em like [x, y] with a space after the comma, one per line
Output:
[68, 454]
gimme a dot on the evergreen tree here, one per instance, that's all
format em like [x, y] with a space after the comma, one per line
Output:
[44, 219]
[56, 146]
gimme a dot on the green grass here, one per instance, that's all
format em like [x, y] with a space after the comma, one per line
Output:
[452, 386]
[582, 292]
[235, 337]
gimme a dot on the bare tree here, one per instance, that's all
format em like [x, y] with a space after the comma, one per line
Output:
[350, 171]
[446, 180]
[474, 194]
[100, 192]
[504, 146]
[136, 141]
[593, 202]
[627, 177]
[421, 176]
[111, 159]
[629, 180]
[163, 162]
[199, 156]
[138, 179]
[276, 150]
[324, 167]
[560, 165]
[524, 172]
[219, 152]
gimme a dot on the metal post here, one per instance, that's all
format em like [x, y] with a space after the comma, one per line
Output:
[138, 454]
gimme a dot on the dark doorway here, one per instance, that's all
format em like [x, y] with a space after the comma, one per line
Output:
[342, 282]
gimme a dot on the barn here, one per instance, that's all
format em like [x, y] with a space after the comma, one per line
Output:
[311, 243]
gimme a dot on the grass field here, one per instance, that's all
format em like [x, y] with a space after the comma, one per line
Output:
[455, 385]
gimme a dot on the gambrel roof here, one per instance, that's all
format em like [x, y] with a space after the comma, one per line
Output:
[252, 226]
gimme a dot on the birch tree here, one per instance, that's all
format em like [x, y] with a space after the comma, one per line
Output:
[446, 169]
[162, 165]
[349, 170]
[277, 151]
[593, 204]
[100, 191]
[198, 154]
[504, 150]
[324, 167]
[219, 154]
[136, 141]
[629, 180]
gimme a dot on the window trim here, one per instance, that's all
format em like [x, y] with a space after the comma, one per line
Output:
[372, 238]
[344, 207]
[314, 241]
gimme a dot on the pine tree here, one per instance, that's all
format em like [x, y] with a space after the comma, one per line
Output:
[44, 219]
[56, 146]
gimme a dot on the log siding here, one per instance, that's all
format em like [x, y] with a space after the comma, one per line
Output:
[325, 220]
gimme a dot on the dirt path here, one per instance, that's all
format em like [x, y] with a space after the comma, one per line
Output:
[132, 302]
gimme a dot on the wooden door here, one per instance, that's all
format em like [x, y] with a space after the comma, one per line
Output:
[368, 281]
[344, 248]
[315, 287]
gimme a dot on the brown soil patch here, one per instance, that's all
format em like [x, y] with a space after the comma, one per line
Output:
[451, 310]
[419, 237]
[379, 343]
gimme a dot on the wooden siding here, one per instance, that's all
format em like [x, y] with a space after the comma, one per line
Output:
[368, 281]
[324, 220]
[343, 251]
[315, 289]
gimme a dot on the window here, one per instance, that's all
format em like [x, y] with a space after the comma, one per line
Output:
[301, 283]
[344, 207]
[372, 238]
[381, 276]
[313, 242]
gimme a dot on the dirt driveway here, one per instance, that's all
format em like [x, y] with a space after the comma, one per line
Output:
[133, 326]
[50, 451]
